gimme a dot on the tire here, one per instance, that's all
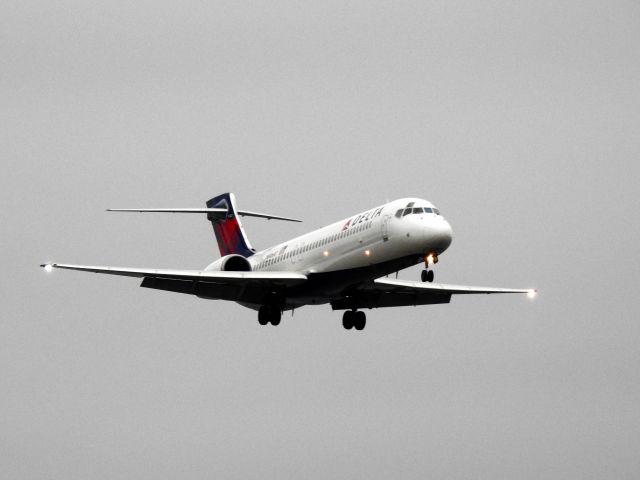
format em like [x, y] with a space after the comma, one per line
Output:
[430, 276]
[276, 316]
[360, 320]
[424, 275]
[263, 315]
[347, 320]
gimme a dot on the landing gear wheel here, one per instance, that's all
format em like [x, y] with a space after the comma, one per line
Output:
[276, 315]
[360, 320]
[426, 275]
[354, 319]
[347, 319]
[269, 314]
[263, 315]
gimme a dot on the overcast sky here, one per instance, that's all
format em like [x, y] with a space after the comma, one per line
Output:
[519, 120]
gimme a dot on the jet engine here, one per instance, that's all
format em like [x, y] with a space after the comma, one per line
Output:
[230, 263]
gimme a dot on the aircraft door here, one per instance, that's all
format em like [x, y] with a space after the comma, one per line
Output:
[385, 227]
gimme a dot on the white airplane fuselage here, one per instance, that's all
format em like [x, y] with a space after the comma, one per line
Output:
[365, 246]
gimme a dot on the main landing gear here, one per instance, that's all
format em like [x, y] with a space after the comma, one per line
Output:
[354, 319]
[269, 314]
[427, 275]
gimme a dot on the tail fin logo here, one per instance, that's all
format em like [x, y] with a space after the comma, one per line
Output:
[227, 227]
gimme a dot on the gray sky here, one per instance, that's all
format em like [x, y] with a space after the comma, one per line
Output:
[519, 120]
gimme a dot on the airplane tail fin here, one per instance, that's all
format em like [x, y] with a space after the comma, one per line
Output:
[224, 216]
[227, 226]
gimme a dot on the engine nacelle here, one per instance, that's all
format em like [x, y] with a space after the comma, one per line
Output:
[230, 263]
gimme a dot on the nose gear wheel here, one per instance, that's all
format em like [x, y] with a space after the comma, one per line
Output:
[427, 275]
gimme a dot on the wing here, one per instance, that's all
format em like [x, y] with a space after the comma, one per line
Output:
[385, 292]
[249, 287]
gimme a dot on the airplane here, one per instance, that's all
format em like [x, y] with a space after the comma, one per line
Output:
[346, 264]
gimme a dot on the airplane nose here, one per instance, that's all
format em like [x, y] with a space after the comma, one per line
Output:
[447, 234]
[438, 235]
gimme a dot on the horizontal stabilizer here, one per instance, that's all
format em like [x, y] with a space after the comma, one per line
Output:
[243, 213]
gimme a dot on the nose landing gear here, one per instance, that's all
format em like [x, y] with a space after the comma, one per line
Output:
[427, 275]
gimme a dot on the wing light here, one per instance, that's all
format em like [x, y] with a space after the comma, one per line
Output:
[532, 293]
[48, 267]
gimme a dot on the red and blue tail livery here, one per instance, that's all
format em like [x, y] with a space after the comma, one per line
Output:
[227, 227]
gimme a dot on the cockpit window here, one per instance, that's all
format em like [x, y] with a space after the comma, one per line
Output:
[403, 212]
[410, 204]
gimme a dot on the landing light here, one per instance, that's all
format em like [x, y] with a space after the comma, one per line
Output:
[430, 258]
[532, 293]
[326, 253]
[48, 267]
[367, 252]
